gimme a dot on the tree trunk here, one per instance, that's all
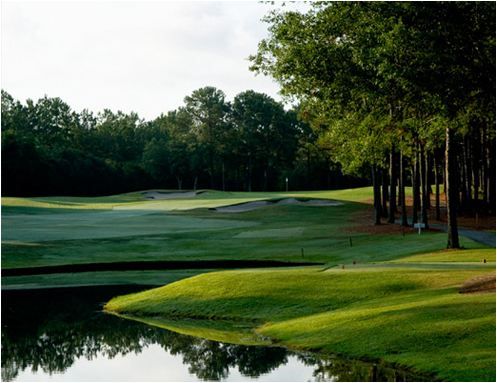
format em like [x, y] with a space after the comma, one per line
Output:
[491, 186]
[486, 155]
[475, 156]
[384, 193]
[265, 180]
[451, 191]
[444, 174]
[399, 197]
[223, 177]
[415, 188]
[437, 188]
[393, 179]
[427, 180]
[469, 171]
[422, 176]
[195, 179]
[377, 196]
[402, 191]
[249, 174]
[466, 181]
[180, 181]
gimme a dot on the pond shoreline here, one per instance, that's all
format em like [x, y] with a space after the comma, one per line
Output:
[94, 333]
[151, 265]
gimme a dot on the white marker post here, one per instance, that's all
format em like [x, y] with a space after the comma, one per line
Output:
[286, 181]
[419, 226]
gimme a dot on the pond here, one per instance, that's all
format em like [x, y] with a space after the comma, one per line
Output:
[62, 335]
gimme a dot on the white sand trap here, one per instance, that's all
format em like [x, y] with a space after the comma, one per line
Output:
[322, 202]
[240, 208]
[311, 202]
[248, 206]
[154, 194]
[288, 201]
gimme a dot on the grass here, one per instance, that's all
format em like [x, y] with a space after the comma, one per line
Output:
[451, 256]
[68, 230]
[207, 199]
[100, 278]
[390, 296]
[411, 316]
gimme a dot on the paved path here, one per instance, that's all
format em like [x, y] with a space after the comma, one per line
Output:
[480, 236]
[484, 237]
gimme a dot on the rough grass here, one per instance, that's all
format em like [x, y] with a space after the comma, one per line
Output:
[415, 317]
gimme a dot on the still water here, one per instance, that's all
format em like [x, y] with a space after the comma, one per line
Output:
[62, 335]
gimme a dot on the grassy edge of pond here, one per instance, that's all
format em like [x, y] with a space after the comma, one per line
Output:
[408, 316]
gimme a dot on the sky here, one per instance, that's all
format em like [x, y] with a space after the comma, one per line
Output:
[132, 55]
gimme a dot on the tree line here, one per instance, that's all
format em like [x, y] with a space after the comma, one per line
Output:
[251, 143]
[405, 88]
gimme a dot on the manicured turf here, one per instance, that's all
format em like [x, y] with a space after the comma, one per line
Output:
[56, 235]
[451, 256]
[207, 199]
[392, 296]
[412, 316]
[101, 278]
[52, 231]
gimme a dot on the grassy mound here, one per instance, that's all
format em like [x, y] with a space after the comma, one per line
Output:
[412, 316]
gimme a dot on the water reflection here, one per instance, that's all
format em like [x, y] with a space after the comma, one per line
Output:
[48, 331]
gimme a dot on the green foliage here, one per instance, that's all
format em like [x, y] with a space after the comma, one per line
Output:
[373, 74]
[49, 149]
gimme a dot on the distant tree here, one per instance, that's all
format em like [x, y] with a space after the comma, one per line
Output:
[209, 114]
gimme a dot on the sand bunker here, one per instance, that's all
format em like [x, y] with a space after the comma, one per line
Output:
[248, 206]
[310, 202]
[239, 208]
[155, 194]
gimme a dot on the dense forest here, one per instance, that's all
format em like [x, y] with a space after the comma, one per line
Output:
[406, 88]
[252, 143]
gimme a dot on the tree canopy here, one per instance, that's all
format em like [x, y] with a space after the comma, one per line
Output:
[381, 80]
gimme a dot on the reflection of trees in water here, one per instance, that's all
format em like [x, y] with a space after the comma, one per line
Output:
[329, 368]
[49, 330]
[210, 360]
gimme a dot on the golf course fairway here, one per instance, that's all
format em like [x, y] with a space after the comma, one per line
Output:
[374, 293]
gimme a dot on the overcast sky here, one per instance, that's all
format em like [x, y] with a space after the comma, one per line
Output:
[140, 56]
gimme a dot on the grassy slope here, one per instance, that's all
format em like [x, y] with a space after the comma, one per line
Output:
[410, 301]
[207, 199]
[410, 316]
[69, 230]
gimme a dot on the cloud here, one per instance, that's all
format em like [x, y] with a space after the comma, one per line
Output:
[141, 56]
